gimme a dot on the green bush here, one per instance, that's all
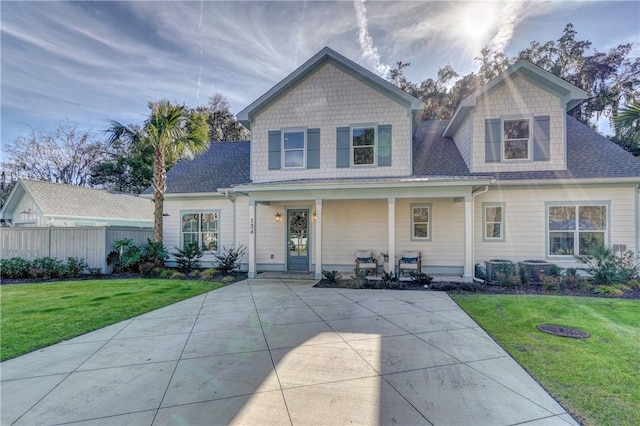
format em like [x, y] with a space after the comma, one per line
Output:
[209, 273]
[421, 279]
[125, 256]
[229, 260]
[188, 258]
[330, 276]
[388, 279]
[15, 268]
[47, 267]
[607, 268]
[74, 267]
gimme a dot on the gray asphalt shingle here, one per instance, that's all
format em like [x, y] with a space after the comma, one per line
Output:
[589, 155]
[223, 165]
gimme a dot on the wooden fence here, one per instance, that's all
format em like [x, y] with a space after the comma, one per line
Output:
[89, 243]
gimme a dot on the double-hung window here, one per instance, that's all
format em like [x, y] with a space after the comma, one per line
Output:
[421, 222]
[516, 138]
[493, 215]
[363, 145]
[576, 229]
[201, 228]
[293, 149]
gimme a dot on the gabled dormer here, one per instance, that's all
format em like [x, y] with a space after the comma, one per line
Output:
[516, 122]
[331, 118]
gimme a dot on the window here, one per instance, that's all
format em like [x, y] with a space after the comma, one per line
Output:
[293, 144]
[421, 222]
[493, 217]
[516, 139]
[576, 229]
[363, 145]
[201, 228]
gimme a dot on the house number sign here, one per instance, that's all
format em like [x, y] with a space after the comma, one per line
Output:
[251, 226]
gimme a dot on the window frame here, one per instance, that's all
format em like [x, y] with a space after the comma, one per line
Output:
[502, 236]
[352, 147]
[284, 151]
[412, 222]
[576, 231]
[503, 139]
[200, 212]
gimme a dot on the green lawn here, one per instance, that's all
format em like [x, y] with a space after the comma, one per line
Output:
[596, 378]
[33, 316]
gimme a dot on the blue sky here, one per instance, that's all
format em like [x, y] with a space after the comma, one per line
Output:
[90, 62]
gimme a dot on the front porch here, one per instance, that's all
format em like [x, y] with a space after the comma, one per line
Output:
[334, 221]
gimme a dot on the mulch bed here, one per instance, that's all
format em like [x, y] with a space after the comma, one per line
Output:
[537, 289]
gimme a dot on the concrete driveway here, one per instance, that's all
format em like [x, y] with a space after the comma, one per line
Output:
[281, 352]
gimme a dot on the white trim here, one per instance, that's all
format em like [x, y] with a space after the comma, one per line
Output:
[199, 232]
[283, 151]
[503, 140]
[352, 148]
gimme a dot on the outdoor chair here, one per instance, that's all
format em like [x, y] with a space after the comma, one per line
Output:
[410, 261]
[365, 261]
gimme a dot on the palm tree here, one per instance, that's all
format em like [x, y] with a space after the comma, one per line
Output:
[173, 134]
[627, 121]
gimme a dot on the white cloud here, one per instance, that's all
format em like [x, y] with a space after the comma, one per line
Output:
[369, 51]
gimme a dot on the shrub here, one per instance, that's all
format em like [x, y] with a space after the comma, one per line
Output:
[154, 252]
[421, 279]
[188, 258]
[47, 267]
[525, 276]
[506, 279]
[229, 260]
[480, 272]
[176, 275]
[607, 268]
[146, 268]
[388, 279]
[74, 267]
[209, 273]
[611, 289]
[359, 278]
[16, 267]
[449, 286]
[330, 276]
[226, 279]
[125, 256]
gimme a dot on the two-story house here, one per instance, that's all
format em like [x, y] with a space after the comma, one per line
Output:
[339, 162]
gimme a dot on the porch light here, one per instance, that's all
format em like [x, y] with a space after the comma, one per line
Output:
[278, 217]
[315, 216]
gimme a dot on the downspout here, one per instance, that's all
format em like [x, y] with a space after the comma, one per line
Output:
[473, 230]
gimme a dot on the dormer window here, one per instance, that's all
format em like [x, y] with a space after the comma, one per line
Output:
[516, 135]
[363, 145]
[293, 148]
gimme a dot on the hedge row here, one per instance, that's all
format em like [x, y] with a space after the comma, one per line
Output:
[42, 267]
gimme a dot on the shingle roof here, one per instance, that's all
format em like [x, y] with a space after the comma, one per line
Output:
[68, 200]
[223, 165]
[589, 155]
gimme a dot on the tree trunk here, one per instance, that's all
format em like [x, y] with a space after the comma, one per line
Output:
[159, 188]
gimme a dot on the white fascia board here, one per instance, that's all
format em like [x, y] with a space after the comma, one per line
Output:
[138, 222]
[404, 183]
[552, 182]
[191, 195]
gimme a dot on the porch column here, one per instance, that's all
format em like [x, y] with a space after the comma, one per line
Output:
[392, 234]
[318, 245]
[468, 238]
[252, 239]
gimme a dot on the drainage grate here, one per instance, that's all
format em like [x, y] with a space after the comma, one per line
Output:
[561, 330]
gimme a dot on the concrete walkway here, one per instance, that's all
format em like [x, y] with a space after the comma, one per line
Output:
[281, 352]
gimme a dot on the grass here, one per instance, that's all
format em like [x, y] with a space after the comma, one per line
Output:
[34, 316]
[597, 378]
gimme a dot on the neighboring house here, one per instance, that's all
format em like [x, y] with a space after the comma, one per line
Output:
[34, 203]
[339, 162]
